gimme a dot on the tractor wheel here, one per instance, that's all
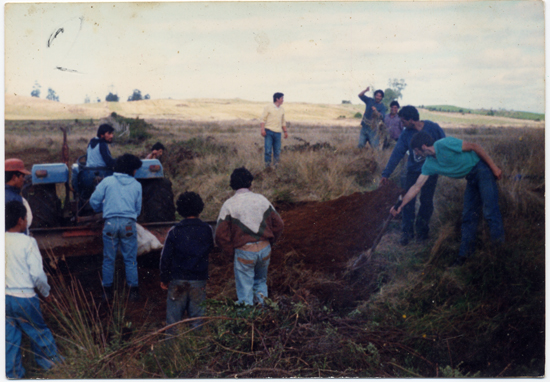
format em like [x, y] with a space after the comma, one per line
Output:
[45, 205]
[158, 201]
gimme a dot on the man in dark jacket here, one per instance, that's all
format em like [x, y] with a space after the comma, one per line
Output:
[184, 262]
[98, 153]
[411, 120]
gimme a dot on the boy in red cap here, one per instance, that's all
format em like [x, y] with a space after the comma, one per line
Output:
[15, 178]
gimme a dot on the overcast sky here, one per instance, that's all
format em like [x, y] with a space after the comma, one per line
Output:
[471, 54]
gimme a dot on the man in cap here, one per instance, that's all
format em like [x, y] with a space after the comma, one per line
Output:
[15, 178]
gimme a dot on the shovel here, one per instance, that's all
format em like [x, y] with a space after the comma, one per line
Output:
[364, 258]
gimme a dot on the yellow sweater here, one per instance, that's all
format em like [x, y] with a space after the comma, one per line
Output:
[274, 118]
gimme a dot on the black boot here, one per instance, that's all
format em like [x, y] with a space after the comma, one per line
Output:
[134, 294]
[107, 293]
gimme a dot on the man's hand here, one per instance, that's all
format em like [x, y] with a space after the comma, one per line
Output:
[367, 89]
[384, 181]
[163, 286]
[497, 172]
[48, 299]
[263, 132]
[395, 212]
[286, 135]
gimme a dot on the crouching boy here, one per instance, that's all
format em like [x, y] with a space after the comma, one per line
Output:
[24, 272]
[184, 262]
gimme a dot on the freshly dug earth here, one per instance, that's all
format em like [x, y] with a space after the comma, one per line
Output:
[310, 260]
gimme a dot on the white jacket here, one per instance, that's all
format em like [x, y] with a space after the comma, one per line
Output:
[24, 270]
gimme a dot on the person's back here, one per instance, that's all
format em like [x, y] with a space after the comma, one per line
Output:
[120, 196]
[189, 242]
[184, 262]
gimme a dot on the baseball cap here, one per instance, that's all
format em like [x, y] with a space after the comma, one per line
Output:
[14, 164]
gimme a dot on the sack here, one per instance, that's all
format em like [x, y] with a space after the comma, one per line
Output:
[147, 242]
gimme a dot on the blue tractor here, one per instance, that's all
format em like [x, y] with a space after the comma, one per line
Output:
[49, 211]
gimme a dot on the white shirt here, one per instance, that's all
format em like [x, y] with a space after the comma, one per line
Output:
[24, 270]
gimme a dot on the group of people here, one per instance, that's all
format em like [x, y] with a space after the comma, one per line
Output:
[247, 226]
[430, 154]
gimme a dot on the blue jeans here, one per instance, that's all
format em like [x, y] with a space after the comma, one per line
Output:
[272, 143]
[185, 295]
[481, 196]
[120, 233]
[24, 315]
[367, 135]
[251, 275]
[425, 210]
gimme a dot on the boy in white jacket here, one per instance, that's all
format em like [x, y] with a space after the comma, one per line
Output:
[24, 272]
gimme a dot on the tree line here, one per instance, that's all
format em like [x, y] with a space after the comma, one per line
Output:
[111, 97]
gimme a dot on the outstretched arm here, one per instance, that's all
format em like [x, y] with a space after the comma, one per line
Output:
[413, 191]
[469, 146]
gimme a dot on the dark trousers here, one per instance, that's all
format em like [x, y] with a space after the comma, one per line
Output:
[480, 197]
[425, 211]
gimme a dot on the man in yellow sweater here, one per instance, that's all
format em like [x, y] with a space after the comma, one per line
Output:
[273, 124]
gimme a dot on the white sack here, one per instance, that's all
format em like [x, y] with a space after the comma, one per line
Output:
[147, 242]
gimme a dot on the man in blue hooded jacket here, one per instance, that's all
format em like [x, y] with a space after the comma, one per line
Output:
[119, 197]
[98, 153]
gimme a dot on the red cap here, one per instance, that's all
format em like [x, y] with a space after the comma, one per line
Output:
[15, 164]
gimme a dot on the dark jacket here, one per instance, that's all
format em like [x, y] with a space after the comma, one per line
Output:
[414, 163]
[13, 193]
[186, 250]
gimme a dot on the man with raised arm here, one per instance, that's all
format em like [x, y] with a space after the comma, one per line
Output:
[455, 158]
[411, 120]
[371, 104]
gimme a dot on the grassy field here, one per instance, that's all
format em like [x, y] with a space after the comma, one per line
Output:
[423, 319]
[498, 113]
[216, 110]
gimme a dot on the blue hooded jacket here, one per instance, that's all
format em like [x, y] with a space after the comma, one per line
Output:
[118, 196]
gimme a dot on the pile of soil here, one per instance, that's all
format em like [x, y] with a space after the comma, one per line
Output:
[310, 259]
[307, 147]
[328, 233]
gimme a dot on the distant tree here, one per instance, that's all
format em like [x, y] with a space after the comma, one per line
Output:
[136, 96]
[52, 96]
[111, 97]
[36, 90]
[344, 102]
[98, 99]
[87, 99]
[147, 96]
[393, 92]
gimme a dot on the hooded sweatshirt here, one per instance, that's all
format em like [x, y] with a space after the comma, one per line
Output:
[98, 154]
[118, 196]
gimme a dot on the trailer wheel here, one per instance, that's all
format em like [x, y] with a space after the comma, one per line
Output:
[45, 205]
[157, 201]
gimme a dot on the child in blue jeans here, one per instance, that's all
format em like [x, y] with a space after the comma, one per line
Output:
[184, 262]
[24, 272]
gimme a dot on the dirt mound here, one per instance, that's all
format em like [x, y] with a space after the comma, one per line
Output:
[318, 240]
[327, 234]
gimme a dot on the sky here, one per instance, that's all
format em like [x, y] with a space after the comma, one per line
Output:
[484, 54]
